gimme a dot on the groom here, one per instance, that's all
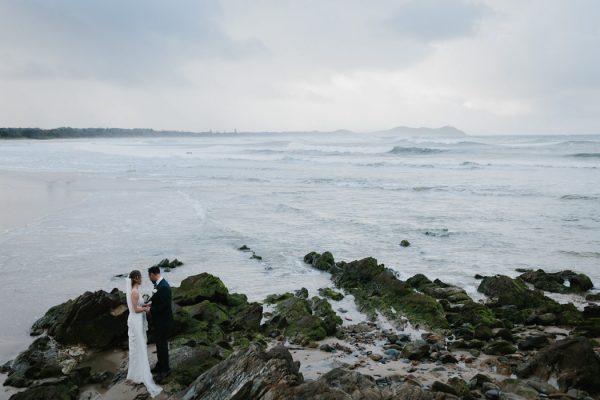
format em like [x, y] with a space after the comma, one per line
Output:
[162, 316]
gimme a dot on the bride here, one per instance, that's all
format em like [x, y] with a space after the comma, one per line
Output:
[139, 366]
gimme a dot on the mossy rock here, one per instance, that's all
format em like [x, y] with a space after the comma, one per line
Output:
[187, 363]
[39, 361]
[322, 309]
[418, 281]
[167, 265]
[355, 273]
[324, 261]
[508, 291]
[331, 294]
[276, 298]
[306, 328]
[590, 328]
[555, 281]
[207, 311]
[246, 319]
[293, 316]
[422, 308]
[198, 288]
[65, 390]
[473, 313]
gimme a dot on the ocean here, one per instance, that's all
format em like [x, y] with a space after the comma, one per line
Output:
[74, 213]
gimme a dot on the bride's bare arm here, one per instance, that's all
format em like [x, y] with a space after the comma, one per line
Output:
[135, 297]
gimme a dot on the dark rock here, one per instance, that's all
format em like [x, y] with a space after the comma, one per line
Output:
[593, 297]
[460, 386]
[438, 386]
[244, 248]
[404, 243]
[302, 320]
[533, 342]
[510, 291]
[555, 282]
[492, 394]
[392, 354]
[418, 281]
[520, 388]
[478, 380]
[322, 308]
[327, 348]
[166, 265]
[197, 288]
[187, 363]
[39, 361]
[324, 261]
[256, 374]
[97, 320]
[63, 390]
[499, 348]
[247, 319]
[590, 327]
[479, 277]
[302, 293]
[448, 359]
[247, 374]
[573, 361]
[482, 332]
[591, 311]
[541, 387]
[331, 294]
[416, 350]
[503, 333]
[377, 289]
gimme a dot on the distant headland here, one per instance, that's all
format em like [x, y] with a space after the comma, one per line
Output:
[67, 133]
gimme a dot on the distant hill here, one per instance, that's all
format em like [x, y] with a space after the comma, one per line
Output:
[66, 133]
[444, 131]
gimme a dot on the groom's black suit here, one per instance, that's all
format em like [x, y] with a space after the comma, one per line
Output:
[162, 316]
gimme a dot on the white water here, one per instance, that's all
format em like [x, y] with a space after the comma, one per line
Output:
[77, 212]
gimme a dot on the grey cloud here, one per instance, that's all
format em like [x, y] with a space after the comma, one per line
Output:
[432, 20]
[125, 41]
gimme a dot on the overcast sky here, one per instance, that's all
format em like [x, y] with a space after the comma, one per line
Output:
[483, 66]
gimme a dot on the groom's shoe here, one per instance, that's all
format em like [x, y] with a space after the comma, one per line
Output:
[161, 376]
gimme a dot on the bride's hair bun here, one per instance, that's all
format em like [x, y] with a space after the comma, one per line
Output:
[135, 275]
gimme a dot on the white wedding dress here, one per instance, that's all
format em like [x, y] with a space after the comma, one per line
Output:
[139, 366]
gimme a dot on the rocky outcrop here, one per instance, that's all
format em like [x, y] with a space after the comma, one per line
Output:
[512, 300]
[254, 374]
[299, 319]
[248, 374]
[331, 294]
[377, 289]
[324, 261]
[96, 320]
[572, 361]
[558, 282]
[167, 265]
[39, 361]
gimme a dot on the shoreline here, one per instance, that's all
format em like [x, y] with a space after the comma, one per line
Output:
[386, 346]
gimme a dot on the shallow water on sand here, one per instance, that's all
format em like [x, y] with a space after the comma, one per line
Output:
[74, 213]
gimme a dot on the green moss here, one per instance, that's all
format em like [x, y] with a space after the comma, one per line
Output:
[331, 294]
[422, 308]
[324, 261]
[197, 288]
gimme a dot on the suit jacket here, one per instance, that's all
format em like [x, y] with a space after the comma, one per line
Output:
[161, 308]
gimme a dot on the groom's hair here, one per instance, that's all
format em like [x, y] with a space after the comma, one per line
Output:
[154, 270]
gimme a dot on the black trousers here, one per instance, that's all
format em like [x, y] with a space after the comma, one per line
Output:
[161, 336]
